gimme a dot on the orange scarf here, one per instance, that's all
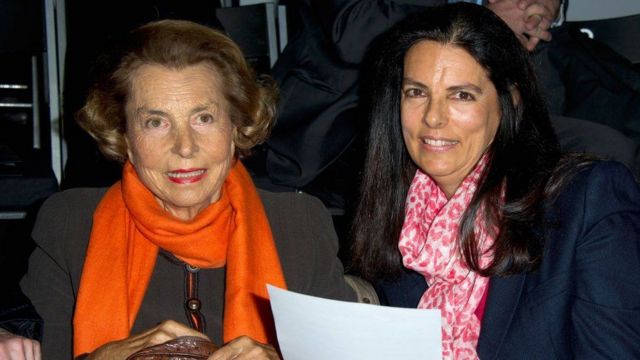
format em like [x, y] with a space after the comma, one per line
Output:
[129, 227]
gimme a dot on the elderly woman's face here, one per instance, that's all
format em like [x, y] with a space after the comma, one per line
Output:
[179, 135]
[449, 111]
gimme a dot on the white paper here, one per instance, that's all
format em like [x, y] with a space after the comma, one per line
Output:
[312, 328]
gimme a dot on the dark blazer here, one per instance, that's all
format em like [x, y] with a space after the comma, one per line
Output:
[301, 227]
[583, 302]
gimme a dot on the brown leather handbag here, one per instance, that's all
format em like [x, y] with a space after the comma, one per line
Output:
[181, 348]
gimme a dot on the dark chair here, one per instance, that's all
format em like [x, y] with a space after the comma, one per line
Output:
[622, 34]
[254, 28]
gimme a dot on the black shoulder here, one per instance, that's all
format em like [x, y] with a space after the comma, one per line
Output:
[307, 245]
[82, 197]
[604, 175]
[599, 189]
[66, 211]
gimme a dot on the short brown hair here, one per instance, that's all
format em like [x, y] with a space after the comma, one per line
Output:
[177, 44]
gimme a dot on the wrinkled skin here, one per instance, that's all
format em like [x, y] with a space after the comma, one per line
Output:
[18, 348]
[530, 20]
[240, 348]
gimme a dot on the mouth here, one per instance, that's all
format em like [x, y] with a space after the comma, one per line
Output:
[186, 176]
[438, 144]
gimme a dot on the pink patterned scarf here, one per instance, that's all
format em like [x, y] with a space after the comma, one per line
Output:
[429, 245]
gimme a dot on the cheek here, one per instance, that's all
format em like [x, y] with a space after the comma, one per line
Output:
[491, 125]
[409, 120]
[492, 130]
[221, 139]
[406, 131]
[410, 138]
[142, 151]
[477, 122]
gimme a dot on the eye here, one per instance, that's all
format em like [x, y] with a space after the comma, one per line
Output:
[414, 93]
[204, 119]
[153, 123]
[464, 96]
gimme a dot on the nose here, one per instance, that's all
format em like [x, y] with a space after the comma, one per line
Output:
[185, 143]
[434, 114]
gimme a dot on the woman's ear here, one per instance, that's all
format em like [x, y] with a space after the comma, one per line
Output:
[235, 154]
[234, 138]
[127, 143]
[515, 95]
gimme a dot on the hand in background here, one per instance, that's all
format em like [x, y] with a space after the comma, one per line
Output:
[245, 348]
[530, 20]
[167, 330]
[14, 347]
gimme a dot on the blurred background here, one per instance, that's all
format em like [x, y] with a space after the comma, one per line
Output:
[47, 48]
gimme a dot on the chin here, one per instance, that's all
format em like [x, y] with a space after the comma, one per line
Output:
[435, 170]
[193, 203]
[185, 200]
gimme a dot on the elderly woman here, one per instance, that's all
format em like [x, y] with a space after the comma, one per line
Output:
[184, 237]
[467, 206]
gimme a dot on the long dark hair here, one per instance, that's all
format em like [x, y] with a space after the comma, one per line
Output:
[522, 157]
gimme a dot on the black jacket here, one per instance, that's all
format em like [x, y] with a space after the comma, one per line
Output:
[584, 300]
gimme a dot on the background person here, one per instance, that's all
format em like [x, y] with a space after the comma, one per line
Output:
[178, 105]
[467, 205]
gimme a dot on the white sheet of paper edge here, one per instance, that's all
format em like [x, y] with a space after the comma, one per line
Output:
[312, 328]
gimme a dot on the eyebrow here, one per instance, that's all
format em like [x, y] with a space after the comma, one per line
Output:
[144, 110]
[465, 86]
[409, 81]
[205, 107]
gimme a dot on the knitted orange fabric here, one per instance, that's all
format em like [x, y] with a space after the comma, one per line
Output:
[129, 227]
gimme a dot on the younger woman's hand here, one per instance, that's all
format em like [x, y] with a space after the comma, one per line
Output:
[167, 330]
[245, 348]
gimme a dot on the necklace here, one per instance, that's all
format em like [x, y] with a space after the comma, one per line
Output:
[192, 303]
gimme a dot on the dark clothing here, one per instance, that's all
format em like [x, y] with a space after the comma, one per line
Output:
[301, 228]
[584, 136]
[18, 316]
[585, 79]
[584, 300]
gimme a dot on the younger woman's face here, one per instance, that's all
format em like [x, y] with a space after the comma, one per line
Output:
[449, 111]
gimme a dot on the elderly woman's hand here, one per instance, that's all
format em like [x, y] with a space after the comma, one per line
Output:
[245, 348]
[14, 347]
[167, 330]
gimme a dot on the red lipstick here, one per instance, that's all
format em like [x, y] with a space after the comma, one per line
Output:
[186, 176]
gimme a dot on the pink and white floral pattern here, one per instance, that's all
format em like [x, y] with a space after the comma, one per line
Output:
[429, 245]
